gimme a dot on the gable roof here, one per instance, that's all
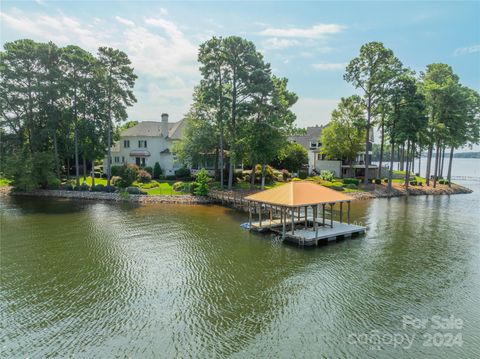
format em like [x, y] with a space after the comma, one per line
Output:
[313, 134]
[154, 129]
[299, 193]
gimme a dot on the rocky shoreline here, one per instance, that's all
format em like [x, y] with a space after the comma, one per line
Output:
[374, 191]
[114, 197]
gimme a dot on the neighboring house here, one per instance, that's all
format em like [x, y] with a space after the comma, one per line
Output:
[317, 162]
[149, 142]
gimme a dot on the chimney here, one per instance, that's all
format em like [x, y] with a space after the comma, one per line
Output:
[165, 124]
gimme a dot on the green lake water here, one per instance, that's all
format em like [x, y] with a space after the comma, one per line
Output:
[105, 280]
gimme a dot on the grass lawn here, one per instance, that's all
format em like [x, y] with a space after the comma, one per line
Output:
[4, 182]
[163, 188]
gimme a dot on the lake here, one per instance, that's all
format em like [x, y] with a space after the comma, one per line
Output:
[103, 280]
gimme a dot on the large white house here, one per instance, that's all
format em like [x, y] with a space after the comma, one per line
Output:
[149, 142]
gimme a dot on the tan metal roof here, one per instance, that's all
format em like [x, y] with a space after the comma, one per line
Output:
[299, 193]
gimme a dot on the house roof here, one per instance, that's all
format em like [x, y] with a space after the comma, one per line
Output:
[313, 134]
[299, 193]
[154, 129]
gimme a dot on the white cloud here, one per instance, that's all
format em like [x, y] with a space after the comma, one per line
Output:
[275, 43]
[467, 50]
[330, 66]
[315, 32]
[314, 111]
[162, 56]
[125, 22]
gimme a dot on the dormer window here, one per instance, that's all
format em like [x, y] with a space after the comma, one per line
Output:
[313, 144]
[142, 144]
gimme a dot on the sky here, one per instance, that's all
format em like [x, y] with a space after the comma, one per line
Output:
[309, 43]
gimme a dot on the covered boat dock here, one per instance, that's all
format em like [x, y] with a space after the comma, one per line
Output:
[297, 211]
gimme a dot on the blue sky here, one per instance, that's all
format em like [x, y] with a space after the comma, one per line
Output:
[307, 42]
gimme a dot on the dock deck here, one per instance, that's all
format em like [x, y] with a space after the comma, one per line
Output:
[310, 236]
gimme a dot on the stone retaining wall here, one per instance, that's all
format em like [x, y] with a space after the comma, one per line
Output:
[102, 196]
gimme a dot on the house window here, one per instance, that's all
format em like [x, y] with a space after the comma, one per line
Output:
[123, 159]
[313, 144]
[142, 144]
[117, 159]
[126, 143]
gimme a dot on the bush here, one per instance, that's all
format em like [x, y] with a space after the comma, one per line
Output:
[385, 180]
[134, 190]
[378, 181]
[84, 187]
[201, 183]
[117, 171]
[327, 175]
[183, 173]
[354, 181]
[351, 186]
[178, 186]
[116, 180]
[98, 188]
[150, 185]
[144, 176]
[302, 174]
[54, 183]
[157, 171]
[285, 175]
[149, 169]
[170, 177]
[130, 174]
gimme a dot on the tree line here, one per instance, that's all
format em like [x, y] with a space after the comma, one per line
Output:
[59, 105]
[431, 112]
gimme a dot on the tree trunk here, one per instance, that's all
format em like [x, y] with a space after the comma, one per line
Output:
[84, 168]
[109, 134]
[402, 159]
[437, 160]
[412, 168]
[382, 142]
[93, 173]
[68, 168]
[450, 167]
[407, 168]
[367, 138]
[222, 165]
[390, 172]
[443, 161]
[77, 169]
[252, 177]
[420, 162]
[230, 175]
[398, 158]
[263, 176]
[429, 164]
[55, 149]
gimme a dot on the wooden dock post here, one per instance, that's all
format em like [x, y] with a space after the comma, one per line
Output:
[249, 215]
[348, 213]
[341, 211]
[260, 215]
[331, 214]
[306, 221]
[323, 222]
[283, 212]
[293, 221]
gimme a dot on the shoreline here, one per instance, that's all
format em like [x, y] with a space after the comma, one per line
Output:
[374, 191]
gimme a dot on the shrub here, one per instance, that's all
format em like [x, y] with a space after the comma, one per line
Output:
[157, 171]
[84, 187]
[183, 173]
[378, 181]
[327, 175]
[351, 181]
[98, 188]
[302, 174]
[413, 183]
[178, 186]
[149, 169]
[130, 174]
[351, 186]
[285, 175]
[150, 185]
[201, 183]
[117, 171]
[115, 180]
[385, 180]
[54, 183]
[161, 177]
[134, 190]
[170, 177]
[144, 176]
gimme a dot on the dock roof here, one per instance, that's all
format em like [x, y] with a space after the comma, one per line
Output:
[299, 193]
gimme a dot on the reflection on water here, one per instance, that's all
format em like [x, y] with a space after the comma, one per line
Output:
[97, 280]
